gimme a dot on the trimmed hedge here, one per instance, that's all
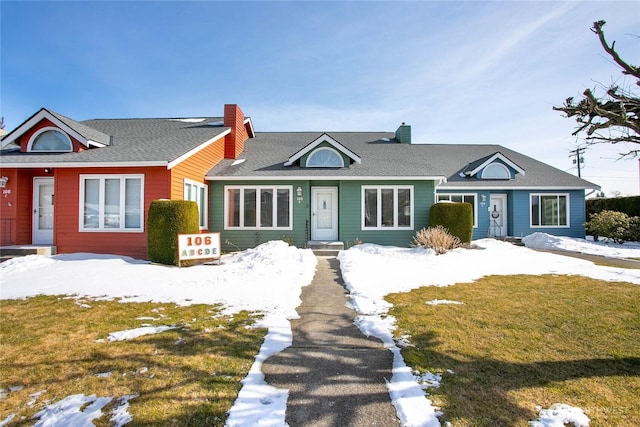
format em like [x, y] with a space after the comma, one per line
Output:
[627, 205]
[455, 217]
[167, 219]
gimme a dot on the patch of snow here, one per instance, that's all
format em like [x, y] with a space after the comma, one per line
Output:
[74, 410]
[120, 415]
[443, 301]
[137, 332]
[572, 244]
[7, 420]
[237, 162]
[560, 414]
[216, 123]
[193, 120]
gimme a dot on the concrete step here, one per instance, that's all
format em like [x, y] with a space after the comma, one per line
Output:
[22, 250]
[324, 248]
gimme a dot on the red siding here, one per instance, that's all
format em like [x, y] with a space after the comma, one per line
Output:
[68, 238]
[8, 206]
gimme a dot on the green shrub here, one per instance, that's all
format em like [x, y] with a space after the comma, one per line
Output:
[436, 238]
[628, 205]
[611, 224]
[455, 217]
[167, 219]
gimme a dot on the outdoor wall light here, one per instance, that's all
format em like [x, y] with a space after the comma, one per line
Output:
[3, 181]
[47, 171]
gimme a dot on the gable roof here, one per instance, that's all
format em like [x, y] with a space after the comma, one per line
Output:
[319, 140]
[384, 158]
[267, 155]
[84, 134]
[474, 167]
[131, 142]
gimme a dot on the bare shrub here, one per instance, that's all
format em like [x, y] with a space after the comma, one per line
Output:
[436, 238]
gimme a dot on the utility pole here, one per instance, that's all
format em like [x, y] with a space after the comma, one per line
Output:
[577, 153]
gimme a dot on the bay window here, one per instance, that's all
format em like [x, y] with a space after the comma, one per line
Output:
[387, 207]
[258, 207]
[111, 202]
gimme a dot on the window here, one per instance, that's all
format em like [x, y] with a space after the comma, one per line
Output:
[197, 193]
[49, 139]
[550, 210]
[462, 198]
[387, 207]
[261, 207]
[496, 171]
[325, 158]
[111, 202]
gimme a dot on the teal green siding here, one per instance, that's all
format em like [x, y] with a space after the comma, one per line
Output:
[350, 197]
[349, 214]
[242, 239]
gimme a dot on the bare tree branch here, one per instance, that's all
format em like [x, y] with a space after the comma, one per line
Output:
[615, 117]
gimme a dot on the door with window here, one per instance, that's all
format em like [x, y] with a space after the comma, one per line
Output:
[324, 213]
[498, 215]
[42, 211]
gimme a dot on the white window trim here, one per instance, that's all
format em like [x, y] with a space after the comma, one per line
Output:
[275, 189]
[475, 203]
[568, 209]
[43, 130]
[395, 189]
[499, 165]
[101, 228]
[205, 203]
[341, 165]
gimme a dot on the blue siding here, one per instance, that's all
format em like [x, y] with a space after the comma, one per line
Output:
[519, 213]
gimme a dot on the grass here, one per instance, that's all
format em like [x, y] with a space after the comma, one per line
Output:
[518, 342]
[187, 376]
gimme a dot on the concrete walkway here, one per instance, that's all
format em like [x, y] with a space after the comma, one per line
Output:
[335, 375]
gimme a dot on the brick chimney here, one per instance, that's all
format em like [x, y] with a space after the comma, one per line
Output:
[234, 141]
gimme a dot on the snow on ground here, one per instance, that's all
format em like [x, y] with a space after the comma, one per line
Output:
[269, 279]
[602, 248]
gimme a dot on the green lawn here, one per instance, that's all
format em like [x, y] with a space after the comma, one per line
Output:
[186, 376]
[518, 342]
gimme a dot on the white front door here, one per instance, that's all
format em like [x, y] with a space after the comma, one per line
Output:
[42, 211]
[324, 213]
[498, 215]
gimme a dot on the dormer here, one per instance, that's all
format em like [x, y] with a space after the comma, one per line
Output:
[49, 132]
[323, 152]
[494, 167]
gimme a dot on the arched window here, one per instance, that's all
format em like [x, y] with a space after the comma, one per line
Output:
[325, 158]
[496, 171]
[50, 139]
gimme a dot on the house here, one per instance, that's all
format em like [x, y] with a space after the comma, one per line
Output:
[258, 186]
[87, 186]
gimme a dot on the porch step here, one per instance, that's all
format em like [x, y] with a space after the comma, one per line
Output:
[514, 240]
[22, 250]
[325, 248]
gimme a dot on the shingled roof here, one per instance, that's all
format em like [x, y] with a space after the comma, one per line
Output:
[384, 157]
[138, 142]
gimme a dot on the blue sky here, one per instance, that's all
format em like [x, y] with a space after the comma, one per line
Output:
[457, 72]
